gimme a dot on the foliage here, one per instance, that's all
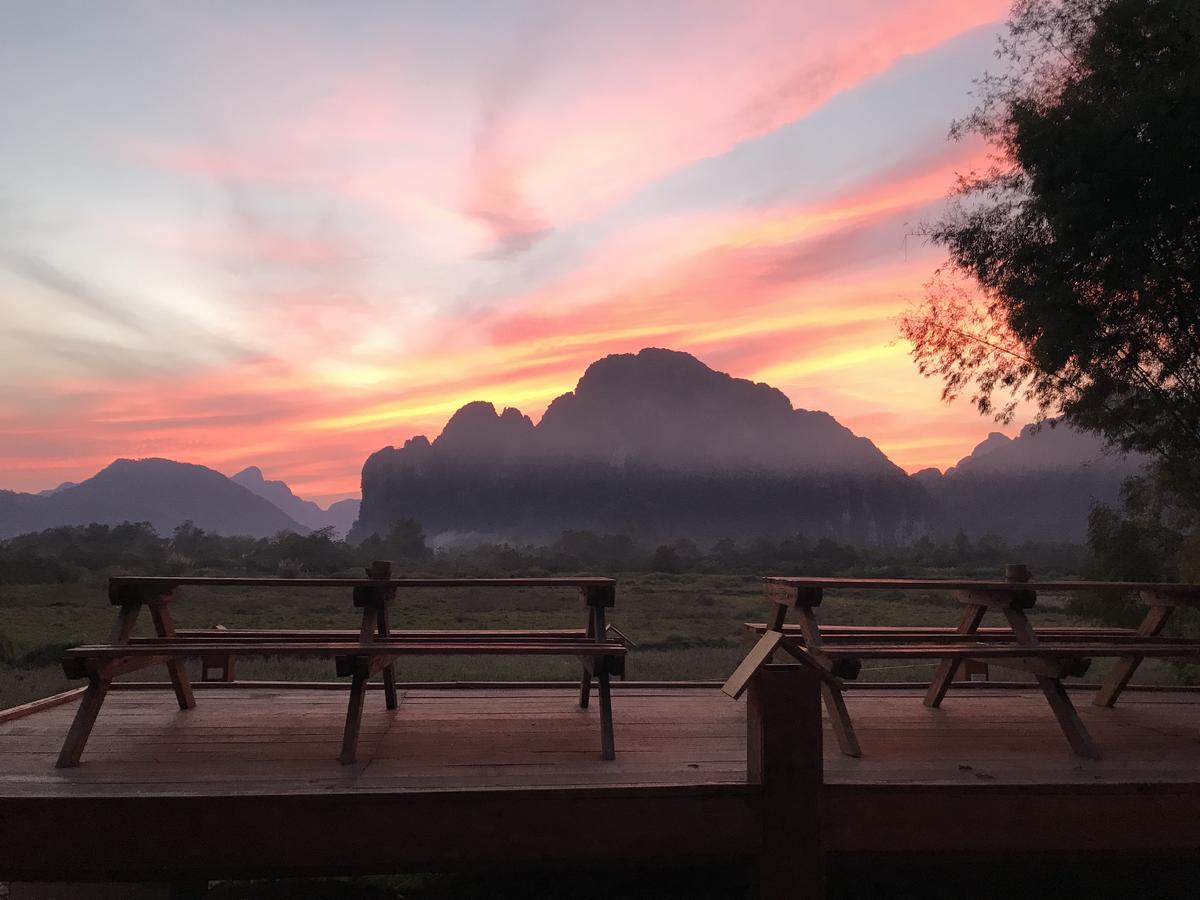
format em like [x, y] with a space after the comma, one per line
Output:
[1074, 259]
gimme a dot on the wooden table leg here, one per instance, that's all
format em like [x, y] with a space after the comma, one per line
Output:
[389, 671]
[968, 624]
[97, 690]
[165, 628]
[585, 683]
[1056, 695]
[85, 718]
[1068, 717]
[839, 718]
[835, 700]
[585, 688]
[1123, 669]
[354, 712]
[598, 631]
[607, 744]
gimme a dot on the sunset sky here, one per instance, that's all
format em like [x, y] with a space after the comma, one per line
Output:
[288, 234]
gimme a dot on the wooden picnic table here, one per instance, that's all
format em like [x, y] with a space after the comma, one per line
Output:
[360, 654]
[1049, 656]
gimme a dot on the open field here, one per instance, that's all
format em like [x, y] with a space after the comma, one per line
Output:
[685, 627]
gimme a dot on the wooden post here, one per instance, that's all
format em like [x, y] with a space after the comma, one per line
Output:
[784, 756]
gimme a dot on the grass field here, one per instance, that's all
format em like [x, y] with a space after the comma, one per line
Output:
[685, 627]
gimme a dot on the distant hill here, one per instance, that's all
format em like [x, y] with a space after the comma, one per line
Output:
[654, 444]
[159, 491]
[54, 490]
[1039, 485]
[340, 515]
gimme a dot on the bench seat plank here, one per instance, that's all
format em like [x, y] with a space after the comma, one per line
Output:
[990, 650]
[869, 633]
[231, 636]
[953, 584]
[177, 648]
[167, 583]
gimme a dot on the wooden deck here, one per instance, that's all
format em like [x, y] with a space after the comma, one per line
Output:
[251, 777]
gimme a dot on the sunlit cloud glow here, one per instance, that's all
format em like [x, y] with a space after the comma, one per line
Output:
[282, 238]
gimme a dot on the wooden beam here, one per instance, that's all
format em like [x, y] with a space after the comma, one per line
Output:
[28, 709]
[739, 681]
[1050, 667]
[1170, 598]
[999, 599]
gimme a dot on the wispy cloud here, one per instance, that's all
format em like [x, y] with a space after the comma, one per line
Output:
[494, 195]
[347, 228]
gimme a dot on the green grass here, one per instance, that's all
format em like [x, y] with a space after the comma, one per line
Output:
[685, 627]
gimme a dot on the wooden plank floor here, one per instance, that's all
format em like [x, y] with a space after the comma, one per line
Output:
[284, 741]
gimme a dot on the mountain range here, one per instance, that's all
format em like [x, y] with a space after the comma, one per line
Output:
[659, 446]
[339, 516]
[166, 493]
[159, 491]
[656, 445]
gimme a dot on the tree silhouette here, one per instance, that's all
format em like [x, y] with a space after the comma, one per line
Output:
[1074, 259]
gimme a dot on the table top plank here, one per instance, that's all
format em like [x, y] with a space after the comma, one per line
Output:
[176, 647]
[953, 584]
[159, 581]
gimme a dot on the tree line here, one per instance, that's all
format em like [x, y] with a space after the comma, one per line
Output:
[84, 553]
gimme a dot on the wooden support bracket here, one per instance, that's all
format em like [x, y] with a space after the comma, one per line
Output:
[792, 595]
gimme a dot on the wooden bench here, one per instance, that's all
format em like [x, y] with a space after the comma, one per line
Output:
[1049, 656]
[359, 655]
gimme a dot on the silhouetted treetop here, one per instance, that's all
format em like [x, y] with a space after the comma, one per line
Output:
[1074, 260]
